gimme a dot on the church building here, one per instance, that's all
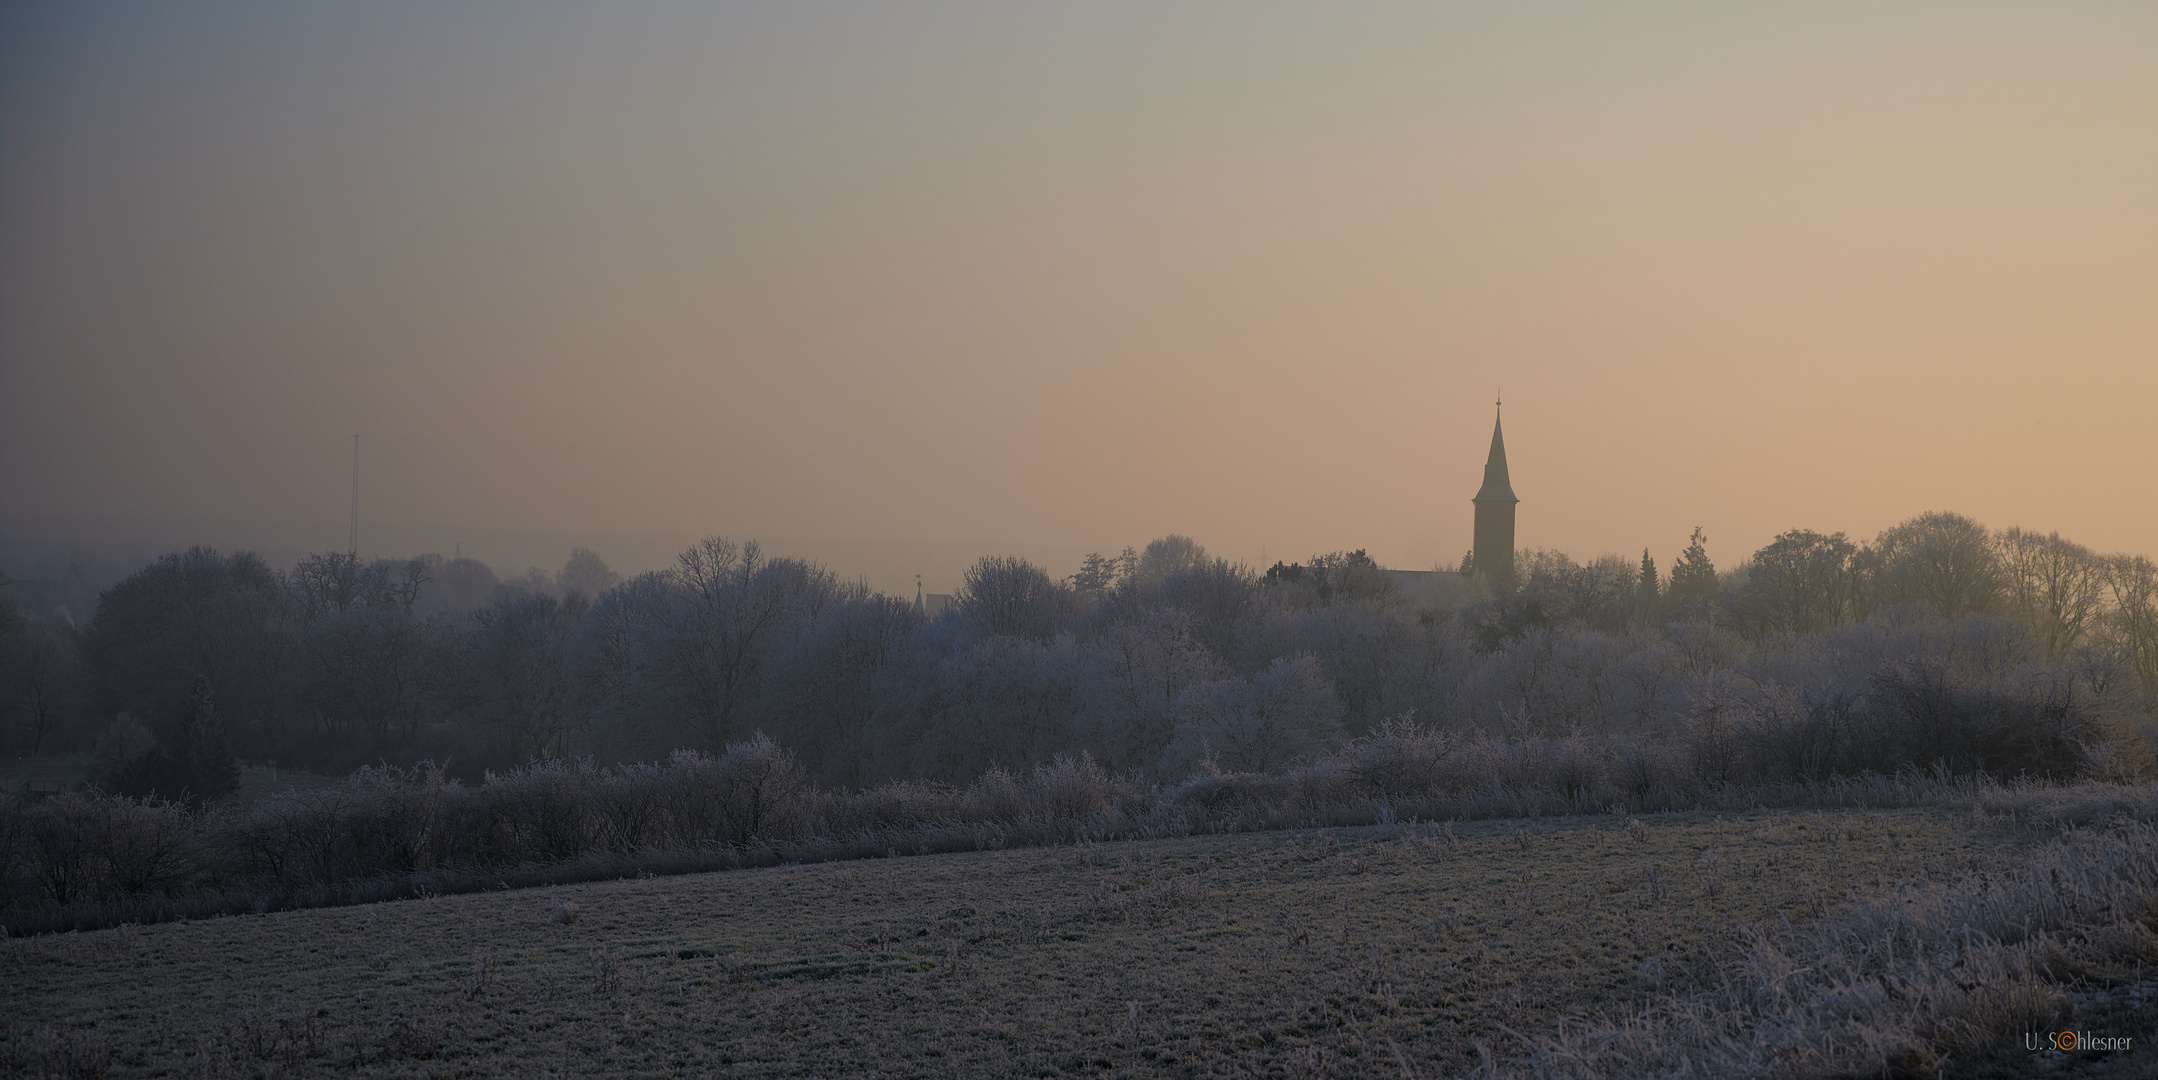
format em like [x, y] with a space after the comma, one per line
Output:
[1493, 555]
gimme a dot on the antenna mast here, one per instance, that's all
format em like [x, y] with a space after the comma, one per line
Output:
[354, 548]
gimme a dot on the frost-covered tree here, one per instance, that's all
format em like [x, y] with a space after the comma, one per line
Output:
[586, 574]
[1263, 723]
[1941, 561]
[1009, 596]
[1802, 582]
[2057, 584]
[690, 648]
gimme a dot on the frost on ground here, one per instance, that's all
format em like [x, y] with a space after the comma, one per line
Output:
[1521, 945]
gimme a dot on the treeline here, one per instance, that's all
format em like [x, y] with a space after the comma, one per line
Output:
[1156, 663]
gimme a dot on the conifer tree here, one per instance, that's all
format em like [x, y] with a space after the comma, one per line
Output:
[1646, 587]
[212, 772]
[1692, 591]
[198, 767]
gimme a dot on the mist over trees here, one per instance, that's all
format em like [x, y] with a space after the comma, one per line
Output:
[1161, 662]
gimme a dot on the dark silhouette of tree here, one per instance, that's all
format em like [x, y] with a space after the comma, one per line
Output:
[1801, 583]
[1148, 662]
[1647, 589]
[586, 574]
[42, 681]
[1099, 574]
[197, 765]
[1349, 575]
[1692, 592]
[198, 614]
[1167, 556]
[1010, 596]
[2132, 624]
[212, 771]
[1943, 561]
[460, 585]
[2057, 584]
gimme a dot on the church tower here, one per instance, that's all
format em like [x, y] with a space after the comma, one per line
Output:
[1494, 551]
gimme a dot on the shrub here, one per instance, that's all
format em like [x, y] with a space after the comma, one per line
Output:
[146, 846]
[87, 859]
[1074, 789]
[1914, 715]
[1401, 759]
[762, 791]
[2035, 726]
[542, 811]
[1213, 790]
[63, 834]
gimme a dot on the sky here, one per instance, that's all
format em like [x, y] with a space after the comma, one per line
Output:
[896, 285]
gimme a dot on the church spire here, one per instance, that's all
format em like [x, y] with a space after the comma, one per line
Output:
[1493, 555]
[1497, 487]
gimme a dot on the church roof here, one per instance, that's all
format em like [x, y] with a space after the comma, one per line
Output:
[1497, 488]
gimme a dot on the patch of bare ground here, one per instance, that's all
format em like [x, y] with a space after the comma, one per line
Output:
[1396, 949]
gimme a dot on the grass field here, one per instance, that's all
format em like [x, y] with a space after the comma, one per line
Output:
[1335, 952]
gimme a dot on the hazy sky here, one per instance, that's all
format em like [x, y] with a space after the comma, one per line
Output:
[936, 279]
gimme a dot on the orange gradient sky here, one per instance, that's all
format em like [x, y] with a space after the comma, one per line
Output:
[897, 284]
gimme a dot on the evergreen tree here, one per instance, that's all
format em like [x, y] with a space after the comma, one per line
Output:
[197, 768]
[1692, 591]
[1096, 574]
[1646, 588]
[212, 772]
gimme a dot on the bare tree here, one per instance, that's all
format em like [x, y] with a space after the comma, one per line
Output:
[835, 675]
[522, 675]
[2133, 621]
[1137, 673]
[1941, 560]
[1284, 714]
[1005, 594]
[373, 677]
[2057, 584]
[693, 644]
[43, 682]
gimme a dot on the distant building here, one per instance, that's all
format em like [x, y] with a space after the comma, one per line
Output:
[931, 605]
[1493, 556]
[1429, 588]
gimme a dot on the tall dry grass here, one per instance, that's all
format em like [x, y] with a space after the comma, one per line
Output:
[1906, 983]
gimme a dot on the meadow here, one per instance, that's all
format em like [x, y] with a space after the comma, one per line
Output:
[1396, 949]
